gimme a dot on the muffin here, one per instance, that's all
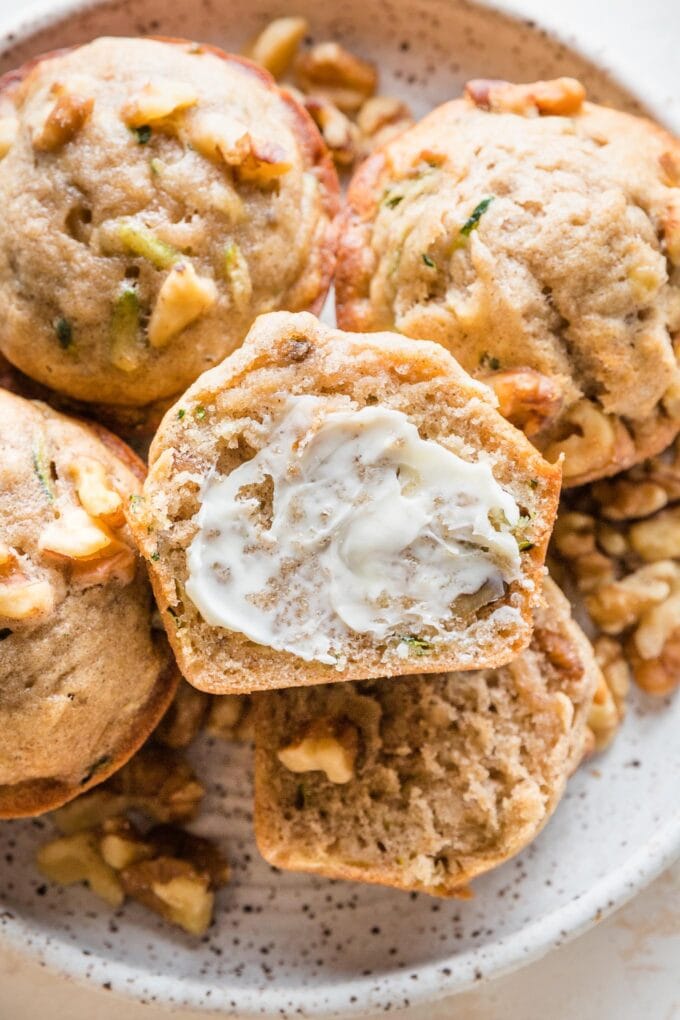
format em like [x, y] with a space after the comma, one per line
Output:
[83, 678]
[537, 237]
[135, 425]
[424, 782]
[158, 195]
[327, 506]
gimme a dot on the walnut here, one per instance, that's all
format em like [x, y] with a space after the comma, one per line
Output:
[157, 100]
[277, 44]
[120, 844]
[96, 493]
[160, 784]
[559, 97]
[26, 599]
[657, 538]
[597, 439]
[623, 498]
[183, 720]
[380, 119]
[227, 140]
[75, 535]
[659, 675]
[526, 398]
[339, 133]
[184, 296]
[76, 858]
[621, 604]
[326, 745]
[172, 888]
[63, 122]
[170, 871]
[230, 717]
[332, 72]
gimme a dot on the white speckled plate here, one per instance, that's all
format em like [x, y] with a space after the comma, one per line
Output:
[287, 945]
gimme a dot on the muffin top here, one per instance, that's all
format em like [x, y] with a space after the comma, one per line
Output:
[83, 679]
[158, 195]
[537, 236]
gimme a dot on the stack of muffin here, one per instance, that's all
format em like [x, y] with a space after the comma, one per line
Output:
[350, 526]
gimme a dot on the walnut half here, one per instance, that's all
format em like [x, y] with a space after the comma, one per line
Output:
[326, 745]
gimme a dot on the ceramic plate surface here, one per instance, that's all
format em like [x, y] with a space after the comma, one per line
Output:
[290, 945]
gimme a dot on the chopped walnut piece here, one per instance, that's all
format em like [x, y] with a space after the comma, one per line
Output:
[25, 599]
[183, 720]
[603, 718]
[228, 140]
[332, 72]
[173, 888]
[379, 112]
[121, 844]
[75, 535]
[526, 398]
[160, 784]
[184, 297]
[597, 439]
[95, 491]
[76, 858]
[620, 604]
[277, 44]
[158, 99]
[65, 119]
[88, 811]
[339, 133]
[659, 675]
[658, 537]
[558, 97]
[230, 717]
[205, 856]
[326, 745]
[622, 498]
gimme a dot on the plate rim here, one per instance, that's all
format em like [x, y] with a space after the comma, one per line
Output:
[358, 995]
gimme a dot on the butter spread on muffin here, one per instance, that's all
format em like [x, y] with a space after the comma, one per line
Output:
[325, 506]
[399, 528]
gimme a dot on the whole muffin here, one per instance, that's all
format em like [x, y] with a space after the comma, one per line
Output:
[83, 678]
[157, 196]
[537, 236]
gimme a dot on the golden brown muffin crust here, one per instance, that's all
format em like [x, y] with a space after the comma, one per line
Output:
[159, 239]
[530, 232]
[83, 678]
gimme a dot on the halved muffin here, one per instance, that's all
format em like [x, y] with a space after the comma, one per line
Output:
[424, 782]
[158, 195]
[537, 237]
[83, 677]
[329, 506]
